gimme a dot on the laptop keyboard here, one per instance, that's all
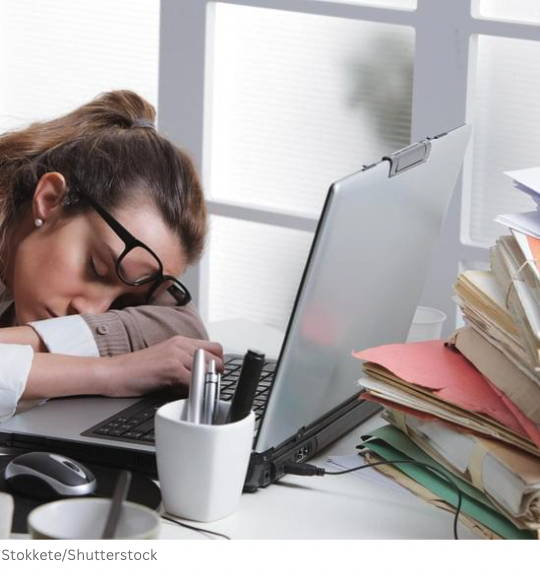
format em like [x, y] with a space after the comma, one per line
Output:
[136, 423]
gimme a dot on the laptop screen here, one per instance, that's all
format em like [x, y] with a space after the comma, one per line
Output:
[363, 278]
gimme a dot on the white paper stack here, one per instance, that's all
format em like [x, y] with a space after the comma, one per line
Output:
[527, 181]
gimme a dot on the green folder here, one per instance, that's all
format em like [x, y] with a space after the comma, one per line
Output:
[389, 443]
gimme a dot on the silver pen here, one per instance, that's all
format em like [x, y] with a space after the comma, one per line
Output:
[196, 390]
[210, 393]
[216, 399]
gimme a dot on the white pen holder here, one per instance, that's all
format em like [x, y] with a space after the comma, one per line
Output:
[201, 468]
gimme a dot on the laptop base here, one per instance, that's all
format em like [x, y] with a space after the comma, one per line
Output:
[264, 468]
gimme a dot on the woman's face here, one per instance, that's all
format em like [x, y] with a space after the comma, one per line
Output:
[67, 266]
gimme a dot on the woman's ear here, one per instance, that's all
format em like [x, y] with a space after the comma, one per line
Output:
[48, 196]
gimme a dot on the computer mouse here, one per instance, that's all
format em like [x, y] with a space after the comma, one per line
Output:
[47, 476]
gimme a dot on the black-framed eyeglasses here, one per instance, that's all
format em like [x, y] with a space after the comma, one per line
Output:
[138, 265]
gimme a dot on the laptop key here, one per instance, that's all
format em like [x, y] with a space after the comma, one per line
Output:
[132, 434]
[145, 427]
[115, 432]
[150, 436]
[147, 413]
[134, 421]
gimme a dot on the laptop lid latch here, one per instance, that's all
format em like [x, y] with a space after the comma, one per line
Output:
[408, 157]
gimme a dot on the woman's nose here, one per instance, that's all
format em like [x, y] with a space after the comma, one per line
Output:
[98, 302]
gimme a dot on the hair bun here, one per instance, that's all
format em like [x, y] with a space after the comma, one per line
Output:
[120, 108]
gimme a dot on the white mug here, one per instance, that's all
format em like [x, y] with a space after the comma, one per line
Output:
[6, 514]
[85, 517]
[427, 324]
[201, 467]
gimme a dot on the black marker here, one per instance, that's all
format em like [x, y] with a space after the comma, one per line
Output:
[247, 385]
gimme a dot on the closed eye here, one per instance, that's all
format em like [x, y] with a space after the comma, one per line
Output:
[94, 271]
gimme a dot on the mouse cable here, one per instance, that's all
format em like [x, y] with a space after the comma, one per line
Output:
[199, 529]
[308, 469]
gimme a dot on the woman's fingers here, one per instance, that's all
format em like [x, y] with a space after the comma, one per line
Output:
[212, 351]
[184, 351]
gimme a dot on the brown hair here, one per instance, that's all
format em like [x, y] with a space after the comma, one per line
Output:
[106, 149]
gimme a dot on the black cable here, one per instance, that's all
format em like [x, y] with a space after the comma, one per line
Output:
[199, 529]
[308, 469]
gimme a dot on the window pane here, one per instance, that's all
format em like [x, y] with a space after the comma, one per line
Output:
[56, 55]
[255, 270]
[524, 10]
[506, 120]
[300, 100]
[403, 4]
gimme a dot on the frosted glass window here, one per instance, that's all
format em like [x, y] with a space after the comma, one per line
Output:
[523, 10]
[254, 270]
[506, 120]
[300, 100]
[402, 4]
[58, 54]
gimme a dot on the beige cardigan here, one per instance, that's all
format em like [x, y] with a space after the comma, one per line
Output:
[120, 331]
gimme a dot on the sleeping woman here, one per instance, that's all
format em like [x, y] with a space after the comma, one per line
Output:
[99, 217]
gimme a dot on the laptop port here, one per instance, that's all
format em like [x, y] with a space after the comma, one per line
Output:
[302, 453]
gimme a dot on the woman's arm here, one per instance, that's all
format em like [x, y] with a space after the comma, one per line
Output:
[23, 335]
[55, 375]
[114, 332]
[121, 331]
[167, 364]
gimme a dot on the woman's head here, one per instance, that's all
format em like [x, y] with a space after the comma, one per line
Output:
[106, 151]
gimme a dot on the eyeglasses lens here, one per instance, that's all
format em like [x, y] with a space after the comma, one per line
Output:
[138, 266]
[174, 289]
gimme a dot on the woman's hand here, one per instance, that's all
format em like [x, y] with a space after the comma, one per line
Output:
[164, 365]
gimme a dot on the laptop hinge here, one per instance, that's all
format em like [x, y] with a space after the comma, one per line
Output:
[408, 157]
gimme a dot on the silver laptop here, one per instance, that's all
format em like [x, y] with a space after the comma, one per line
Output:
[362, 282]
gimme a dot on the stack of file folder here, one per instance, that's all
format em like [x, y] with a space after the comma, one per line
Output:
[471, 405]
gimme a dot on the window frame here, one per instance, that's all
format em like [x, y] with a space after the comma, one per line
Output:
[441, 100]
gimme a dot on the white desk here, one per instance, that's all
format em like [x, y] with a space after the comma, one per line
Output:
[329, 507]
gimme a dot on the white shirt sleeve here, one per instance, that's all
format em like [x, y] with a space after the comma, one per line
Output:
[15, 364]
[69, 335]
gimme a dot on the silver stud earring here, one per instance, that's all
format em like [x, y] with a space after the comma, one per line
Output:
[38, 222]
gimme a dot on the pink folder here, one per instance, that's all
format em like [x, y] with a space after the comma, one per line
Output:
[451, 377]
